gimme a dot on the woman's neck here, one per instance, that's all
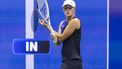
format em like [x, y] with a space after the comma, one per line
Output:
[69, 18]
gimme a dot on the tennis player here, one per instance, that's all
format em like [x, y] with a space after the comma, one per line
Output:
[69, 33]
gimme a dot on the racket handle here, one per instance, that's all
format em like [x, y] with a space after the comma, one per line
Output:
[53, 33]
[55, 39]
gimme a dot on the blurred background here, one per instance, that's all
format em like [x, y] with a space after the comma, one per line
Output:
[115, 41]
[93, 16]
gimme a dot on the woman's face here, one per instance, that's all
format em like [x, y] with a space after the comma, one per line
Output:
[68, 10]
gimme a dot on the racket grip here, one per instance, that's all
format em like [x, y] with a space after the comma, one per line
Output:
[53, 33]
[55, 39]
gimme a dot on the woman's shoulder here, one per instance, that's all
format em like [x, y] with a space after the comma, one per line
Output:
[76, 19]
[76, 22]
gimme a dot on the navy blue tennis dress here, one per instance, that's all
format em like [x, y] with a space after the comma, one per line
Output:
[71, 58]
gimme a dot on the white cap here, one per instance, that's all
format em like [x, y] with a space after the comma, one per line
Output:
[69, 2]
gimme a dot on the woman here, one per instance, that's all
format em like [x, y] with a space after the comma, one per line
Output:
[69, 33]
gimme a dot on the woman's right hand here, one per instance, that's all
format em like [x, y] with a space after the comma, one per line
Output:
[42, 22]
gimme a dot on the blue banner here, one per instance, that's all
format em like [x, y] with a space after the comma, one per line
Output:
[30, 46]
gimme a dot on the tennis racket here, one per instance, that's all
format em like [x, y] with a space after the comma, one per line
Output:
[43, 10]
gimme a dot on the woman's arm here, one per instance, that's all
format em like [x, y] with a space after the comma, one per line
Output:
[70, 28]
